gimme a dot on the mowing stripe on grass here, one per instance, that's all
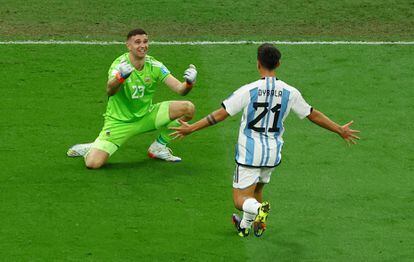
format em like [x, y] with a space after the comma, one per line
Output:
[53, 42]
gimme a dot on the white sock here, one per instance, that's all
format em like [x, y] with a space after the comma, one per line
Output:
[251, 205]
[247, 220]
[157, 144]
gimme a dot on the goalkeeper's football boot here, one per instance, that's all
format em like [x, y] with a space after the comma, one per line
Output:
[79, 150]
[259, 224]
[157, 150]
[243, 232]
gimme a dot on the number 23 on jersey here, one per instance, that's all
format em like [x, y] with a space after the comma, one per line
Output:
[138, 92]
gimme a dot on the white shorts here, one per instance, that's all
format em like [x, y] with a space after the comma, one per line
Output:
[246, 176]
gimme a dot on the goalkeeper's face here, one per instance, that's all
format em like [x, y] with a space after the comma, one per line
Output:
[138, 45]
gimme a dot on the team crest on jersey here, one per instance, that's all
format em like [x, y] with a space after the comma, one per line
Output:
[147, 79]
[107, 132]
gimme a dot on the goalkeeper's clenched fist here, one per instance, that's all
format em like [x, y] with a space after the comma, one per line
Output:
[124, 71]
[190, 75]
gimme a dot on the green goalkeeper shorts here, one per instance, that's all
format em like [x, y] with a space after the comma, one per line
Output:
[115, 133]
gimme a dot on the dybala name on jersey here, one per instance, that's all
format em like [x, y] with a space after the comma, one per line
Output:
[276, 93]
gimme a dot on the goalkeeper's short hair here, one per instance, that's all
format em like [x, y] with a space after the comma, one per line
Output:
[268, 56]
[136, 31]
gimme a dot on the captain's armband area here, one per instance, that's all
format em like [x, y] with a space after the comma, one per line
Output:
[211, 120]
[119, 78]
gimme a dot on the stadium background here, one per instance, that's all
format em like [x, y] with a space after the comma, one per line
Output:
[330, 201]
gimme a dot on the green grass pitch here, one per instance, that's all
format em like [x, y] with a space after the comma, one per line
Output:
[330, 202]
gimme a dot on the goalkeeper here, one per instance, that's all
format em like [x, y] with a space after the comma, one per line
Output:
[132, 81]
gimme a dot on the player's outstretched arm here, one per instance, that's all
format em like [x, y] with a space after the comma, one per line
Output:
[212, 119]
[344, 131]
[185, 87]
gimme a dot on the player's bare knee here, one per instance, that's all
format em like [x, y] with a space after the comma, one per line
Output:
[188, 109]
[93, 163]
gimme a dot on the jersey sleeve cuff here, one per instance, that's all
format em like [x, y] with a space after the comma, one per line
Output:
[307, 114]
[224, 106]
[164, 77]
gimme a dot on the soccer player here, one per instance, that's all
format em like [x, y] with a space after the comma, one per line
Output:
[132, 81]
[265, 104]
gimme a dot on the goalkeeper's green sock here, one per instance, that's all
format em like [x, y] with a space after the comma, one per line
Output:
[164, 137]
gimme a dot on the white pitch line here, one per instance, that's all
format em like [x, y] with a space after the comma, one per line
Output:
[54, 42]
[284, 43]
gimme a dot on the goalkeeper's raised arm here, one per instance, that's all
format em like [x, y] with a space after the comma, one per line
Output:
[183, 88]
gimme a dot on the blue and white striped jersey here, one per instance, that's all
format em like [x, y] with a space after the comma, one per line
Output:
[265, 104]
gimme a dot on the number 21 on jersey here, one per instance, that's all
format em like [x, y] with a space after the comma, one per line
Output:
[262, 116]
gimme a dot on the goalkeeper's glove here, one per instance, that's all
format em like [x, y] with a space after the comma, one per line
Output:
[190, 75]
[124, 71]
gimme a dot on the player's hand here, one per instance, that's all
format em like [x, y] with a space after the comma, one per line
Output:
[181, 131]
[190, 74]
[125, 69]
[348, 134]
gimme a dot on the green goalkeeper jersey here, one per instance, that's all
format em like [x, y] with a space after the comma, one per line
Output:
[134, 99]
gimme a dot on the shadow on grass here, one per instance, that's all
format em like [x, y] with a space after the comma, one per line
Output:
[147, 166]
[142, 163]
